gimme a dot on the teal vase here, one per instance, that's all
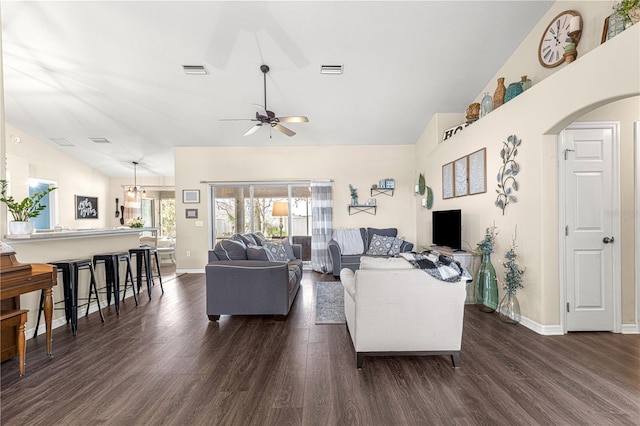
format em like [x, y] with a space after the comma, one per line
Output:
[486, 285]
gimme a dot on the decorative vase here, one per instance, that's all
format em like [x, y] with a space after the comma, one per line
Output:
[354, 201]
[20, 228]
[486, 285]
[498, 95]
[525, 83]
[509, 309]
[486, 105]
[473, 111]
[513, 90]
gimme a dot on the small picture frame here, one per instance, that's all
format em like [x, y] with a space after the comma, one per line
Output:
[477, 172]
[190, 196]
[447, 181]
[613, 25]
[460, 171]
[86, 207]
[191, 213]
[371, 202]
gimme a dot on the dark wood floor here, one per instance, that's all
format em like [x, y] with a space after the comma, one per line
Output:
[165, 363]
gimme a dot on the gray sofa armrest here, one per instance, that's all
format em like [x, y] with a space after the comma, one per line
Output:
[406, 247]
[297, 251]
[212, 256]
[336, 257]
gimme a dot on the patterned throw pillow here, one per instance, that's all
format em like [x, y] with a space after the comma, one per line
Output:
[230, 250]
[380, 245]
[275, 251]
[396, 246]
[288, 249]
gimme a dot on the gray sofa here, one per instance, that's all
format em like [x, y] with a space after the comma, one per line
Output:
[353, 261]
[247, 283]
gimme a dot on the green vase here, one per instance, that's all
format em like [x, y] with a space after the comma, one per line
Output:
[486, 285]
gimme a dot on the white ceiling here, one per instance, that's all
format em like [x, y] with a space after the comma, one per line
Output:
[80, 70]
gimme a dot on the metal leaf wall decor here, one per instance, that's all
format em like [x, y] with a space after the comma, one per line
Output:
[507, 183]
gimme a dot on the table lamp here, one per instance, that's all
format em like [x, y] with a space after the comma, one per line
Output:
[280, 209]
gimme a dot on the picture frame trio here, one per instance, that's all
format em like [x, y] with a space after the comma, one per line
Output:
[465, 176]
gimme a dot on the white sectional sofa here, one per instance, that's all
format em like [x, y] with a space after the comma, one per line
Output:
[394, 309]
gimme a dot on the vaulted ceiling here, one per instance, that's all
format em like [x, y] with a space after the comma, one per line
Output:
[74, 71]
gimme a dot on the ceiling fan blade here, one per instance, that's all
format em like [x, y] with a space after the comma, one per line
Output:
[295, 119]
[253, 129]
[283, 129]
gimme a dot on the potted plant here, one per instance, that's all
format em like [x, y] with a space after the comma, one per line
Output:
[629, 10]
[24, 210]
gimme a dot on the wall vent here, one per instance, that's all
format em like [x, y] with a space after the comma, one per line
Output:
[62, 141]
[331, 69]
[100, 140]
[194, 69]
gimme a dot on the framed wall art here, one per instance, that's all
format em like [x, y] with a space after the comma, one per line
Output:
[613, 25]
[447, 181]
[477, 172]
[191, 196]
[461, 177]
[191, 213]
[86, 207]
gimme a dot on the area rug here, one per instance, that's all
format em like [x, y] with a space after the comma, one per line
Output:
[330, 303]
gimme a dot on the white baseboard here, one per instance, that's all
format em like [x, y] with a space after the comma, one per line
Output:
[630, 329]
[189, 271]
[545, 330]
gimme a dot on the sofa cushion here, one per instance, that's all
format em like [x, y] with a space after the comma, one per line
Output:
[238, 238]
[275, 251]
[248, 239]
[396, 247]
[380, 245]
[383, 232]
[259, 237]
[230, 250]
[256, 253]
[288, 248]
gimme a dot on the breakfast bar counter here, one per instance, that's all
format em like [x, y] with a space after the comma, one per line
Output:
[50, 246]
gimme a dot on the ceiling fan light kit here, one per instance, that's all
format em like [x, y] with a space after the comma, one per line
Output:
[269, 117]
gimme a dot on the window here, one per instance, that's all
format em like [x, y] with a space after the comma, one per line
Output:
[249, 208]
[48, 218]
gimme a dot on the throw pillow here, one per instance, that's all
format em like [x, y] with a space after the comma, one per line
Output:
[230, 250]
[380, 245]
[257, 253]
[288, 249]
[259, 237]
[383, 232]
[248, 239]
[238, 238]
[396, 246]
[275, 251]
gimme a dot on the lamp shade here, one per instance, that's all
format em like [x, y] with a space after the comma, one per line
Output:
[280, 209]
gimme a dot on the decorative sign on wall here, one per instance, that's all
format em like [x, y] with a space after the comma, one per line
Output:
[507, 183]
[477, 172]
[86, 207]
[452, 131]
[447, 181]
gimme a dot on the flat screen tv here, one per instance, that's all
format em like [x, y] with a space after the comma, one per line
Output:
[447, 228]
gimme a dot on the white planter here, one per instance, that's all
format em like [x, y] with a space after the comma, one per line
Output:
[20, 228]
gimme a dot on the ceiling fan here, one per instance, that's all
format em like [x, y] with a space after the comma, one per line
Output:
[269, 117]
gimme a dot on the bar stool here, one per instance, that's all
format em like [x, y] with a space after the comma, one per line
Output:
[70, 270]
[128, 276]
[142, 255]
[112, 277]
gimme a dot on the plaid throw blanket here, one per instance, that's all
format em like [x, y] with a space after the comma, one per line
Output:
[440, 267]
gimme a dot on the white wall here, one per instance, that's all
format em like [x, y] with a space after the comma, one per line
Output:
[360, 166]
[32, 158]
[537, 116]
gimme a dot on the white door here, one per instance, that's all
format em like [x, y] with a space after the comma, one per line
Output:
[591, 227]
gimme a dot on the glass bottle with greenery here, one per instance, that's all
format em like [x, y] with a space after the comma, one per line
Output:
[486, 292]
[509, 308]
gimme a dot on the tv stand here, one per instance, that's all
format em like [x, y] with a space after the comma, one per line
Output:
[469, 260]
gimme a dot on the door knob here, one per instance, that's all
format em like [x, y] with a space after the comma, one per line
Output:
[608, 240]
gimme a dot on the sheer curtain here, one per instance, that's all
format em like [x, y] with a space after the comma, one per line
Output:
[321, 226]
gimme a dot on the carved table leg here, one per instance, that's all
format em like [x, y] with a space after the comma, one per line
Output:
[22, 346]
[48, 316]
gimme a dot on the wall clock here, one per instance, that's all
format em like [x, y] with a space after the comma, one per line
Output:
[554, 39]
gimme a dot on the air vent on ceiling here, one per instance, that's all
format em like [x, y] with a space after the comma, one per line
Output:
[330, 69]
[100, 140]
[194, 69]
[62, 142]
